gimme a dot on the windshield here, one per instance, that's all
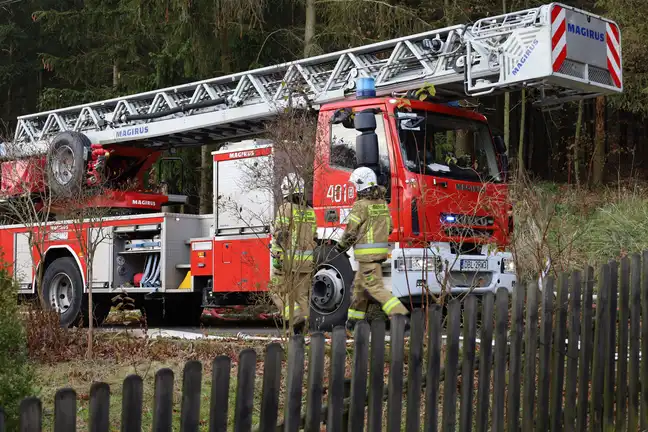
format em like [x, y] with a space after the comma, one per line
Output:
[453, 147]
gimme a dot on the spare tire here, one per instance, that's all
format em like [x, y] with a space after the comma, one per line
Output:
[66, 163]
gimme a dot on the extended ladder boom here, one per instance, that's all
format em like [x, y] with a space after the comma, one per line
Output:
[567, 53]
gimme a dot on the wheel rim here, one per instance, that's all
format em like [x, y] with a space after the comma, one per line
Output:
[327, 291]
[63, 164]
[60, 293]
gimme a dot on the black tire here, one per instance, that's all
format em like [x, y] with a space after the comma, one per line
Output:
[327, 257]
[67, 163]
[58, 275]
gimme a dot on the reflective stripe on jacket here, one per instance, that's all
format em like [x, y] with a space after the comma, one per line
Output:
[368, 229]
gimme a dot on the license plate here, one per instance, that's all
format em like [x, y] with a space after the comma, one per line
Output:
[468, 264]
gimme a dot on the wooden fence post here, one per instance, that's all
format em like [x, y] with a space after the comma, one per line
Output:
[585, 355]
[530, 352]
[294, 381]
[99, 407]
[451, 366]
[433, 369]
[163, 401]
[31, 415]
[190, 406]
[468, 367]
[359, 369]
[485, 362]
[499, 375]
[271, 387]
[544, 374]
[635, 343]
[610, 362]
[395, 397]
[315, 383]
[65, 410]
[132, 398]
[622, 365]
[644, 342]
[335, 420]
[558, 367]
[244, 405]
[573, 324]
[515, 362]
[601, 344]
[219, 400]
[376, 376]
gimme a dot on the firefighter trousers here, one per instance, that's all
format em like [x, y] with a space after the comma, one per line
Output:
[368, 283]
[291, 287]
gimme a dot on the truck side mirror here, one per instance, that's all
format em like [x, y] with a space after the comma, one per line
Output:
[367, 141]
[500, 147]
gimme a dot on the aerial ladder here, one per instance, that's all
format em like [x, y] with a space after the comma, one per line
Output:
[528, 48]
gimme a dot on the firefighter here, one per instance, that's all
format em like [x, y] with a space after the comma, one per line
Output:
[368, 228]
[294, 238]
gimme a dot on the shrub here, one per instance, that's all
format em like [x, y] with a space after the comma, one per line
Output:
[16, 374]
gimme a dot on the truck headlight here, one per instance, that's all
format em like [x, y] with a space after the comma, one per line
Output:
[418, 264]
[508, 265]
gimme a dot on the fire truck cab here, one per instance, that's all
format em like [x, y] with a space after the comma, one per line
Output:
[445, 179]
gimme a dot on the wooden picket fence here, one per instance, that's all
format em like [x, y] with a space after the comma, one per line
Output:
[551, 359]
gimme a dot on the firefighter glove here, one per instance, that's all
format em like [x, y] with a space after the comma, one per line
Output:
[276, 263]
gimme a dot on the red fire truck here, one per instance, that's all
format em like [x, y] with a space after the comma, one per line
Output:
[447, 196]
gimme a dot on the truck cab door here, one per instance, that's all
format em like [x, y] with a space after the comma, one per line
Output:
[333, 194]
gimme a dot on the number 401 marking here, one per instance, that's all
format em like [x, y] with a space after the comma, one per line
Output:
[340, 193]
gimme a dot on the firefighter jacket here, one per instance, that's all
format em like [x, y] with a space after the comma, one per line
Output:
[294, 236]
[368, 228]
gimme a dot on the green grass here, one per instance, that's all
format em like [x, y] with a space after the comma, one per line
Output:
[577, 228]
[81, 374]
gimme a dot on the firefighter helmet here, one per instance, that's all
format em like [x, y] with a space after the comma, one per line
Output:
[292, 184]
[363, 178]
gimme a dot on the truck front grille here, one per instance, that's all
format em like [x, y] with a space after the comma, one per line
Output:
[470, 279]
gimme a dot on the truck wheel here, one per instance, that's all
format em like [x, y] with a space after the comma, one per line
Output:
[63, 290]
[331, 289]
[66, 163]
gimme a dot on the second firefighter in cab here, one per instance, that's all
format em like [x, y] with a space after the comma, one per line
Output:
[368, 227]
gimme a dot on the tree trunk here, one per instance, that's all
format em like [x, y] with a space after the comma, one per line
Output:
[9, 85]
[576, 150]
[205, 163]
[309, 29]
[507, 108]
[520, 151]
[89, 352]
[115, 75]
[598, 161]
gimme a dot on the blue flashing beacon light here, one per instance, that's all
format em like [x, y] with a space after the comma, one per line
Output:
[454, 104]
[365, 88]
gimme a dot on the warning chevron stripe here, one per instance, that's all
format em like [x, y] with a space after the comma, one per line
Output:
[558, 37]
[613, 53]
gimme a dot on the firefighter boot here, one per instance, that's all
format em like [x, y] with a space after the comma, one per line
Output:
[350, 327]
